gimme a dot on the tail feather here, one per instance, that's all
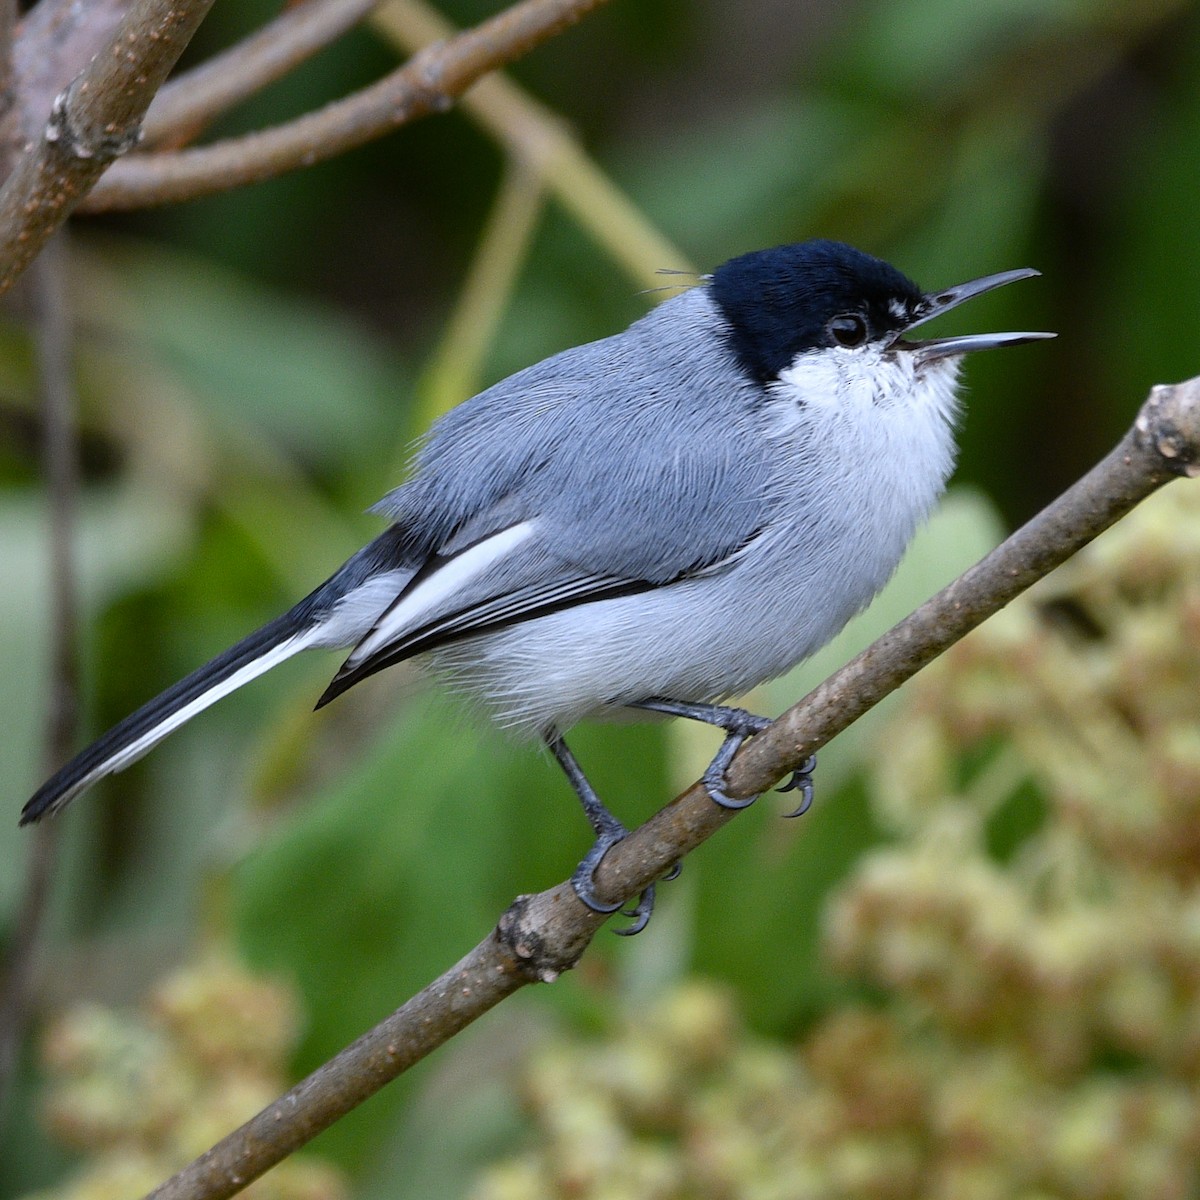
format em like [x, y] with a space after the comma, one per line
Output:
[338, 613]
[138, 733]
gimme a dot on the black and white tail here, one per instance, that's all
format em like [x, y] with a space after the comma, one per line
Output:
[337, 614]
[126, 742]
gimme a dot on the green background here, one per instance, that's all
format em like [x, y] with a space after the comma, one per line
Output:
[252, 368]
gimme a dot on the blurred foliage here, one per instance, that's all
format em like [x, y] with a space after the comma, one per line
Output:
[253, 367]
[141, 1093]
[1032, 937]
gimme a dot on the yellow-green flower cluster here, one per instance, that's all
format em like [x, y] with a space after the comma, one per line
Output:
[679, 1102]
[140, 1093]
[1033, 934]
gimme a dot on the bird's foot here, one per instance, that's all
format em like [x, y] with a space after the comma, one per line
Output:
[714, 775]
[738, 725]
[609, 831]
[584, 879]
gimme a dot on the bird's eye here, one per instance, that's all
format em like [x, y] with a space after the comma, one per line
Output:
[848, 330]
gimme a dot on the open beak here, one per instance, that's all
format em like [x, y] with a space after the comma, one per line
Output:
[937, 303]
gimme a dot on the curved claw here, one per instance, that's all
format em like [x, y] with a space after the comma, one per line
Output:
[639, 914]
[719, 797]
[802, 782]
[806, 799]
[609, 831]
[674, 873]
[801, 775]
[585, 874]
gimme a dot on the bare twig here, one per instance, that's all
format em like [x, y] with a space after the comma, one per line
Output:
[60, 442]
[541, 936]
[531, 132]
[8, 30]
[430, 82]
[188, 103]
[53, 338]
[92, 122]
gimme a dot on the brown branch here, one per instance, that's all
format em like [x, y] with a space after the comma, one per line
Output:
[60, 453]
[60, 436]
[95, 120]
[192, 100]
[55, 41]
[428, 83]
[541, 936]
[9, 111]
[473, 986]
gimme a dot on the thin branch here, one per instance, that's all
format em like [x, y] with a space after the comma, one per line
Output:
[95, 120]
[430, 82]
[192, 100]
[531, 132]
[60, 452]
[54, 344]
[541, 936]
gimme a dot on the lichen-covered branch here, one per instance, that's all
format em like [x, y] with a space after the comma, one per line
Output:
[92, 122]
[430, 82]
[541, 936]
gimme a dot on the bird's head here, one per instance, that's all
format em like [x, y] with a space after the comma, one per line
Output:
[826, 302]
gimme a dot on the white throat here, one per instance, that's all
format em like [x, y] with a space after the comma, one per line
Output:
[857, 380]
[876, 422]
[879, 402]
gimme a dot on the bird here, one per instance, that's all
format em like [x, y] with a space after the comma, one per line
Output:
[651, 523]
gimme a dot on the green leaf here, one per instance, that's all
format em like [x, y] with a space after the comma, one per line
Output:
[300, 373]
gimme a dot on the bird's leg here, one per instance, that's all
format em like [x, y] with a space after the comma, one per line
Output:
[738, 725]
[609, 831]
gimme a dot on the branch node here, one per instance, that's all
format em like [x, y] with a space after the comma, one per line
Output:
[522, 932]
[428, 91]
[62, 131]
[1168, 424]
